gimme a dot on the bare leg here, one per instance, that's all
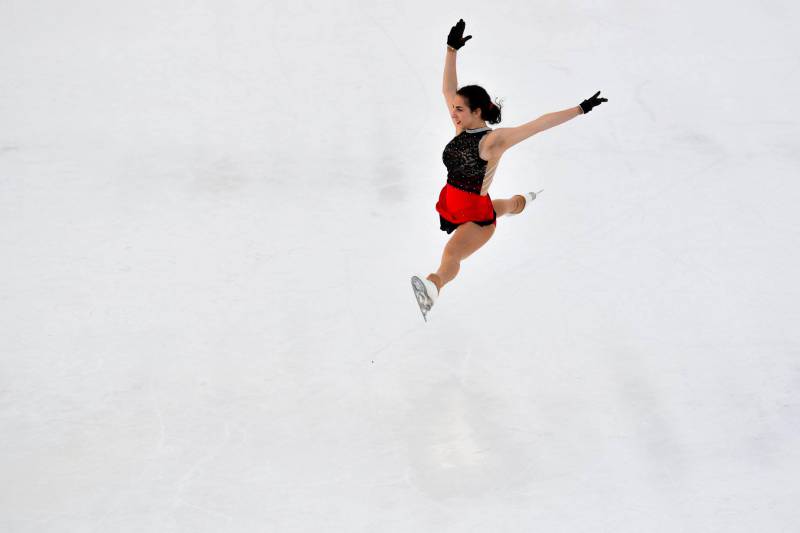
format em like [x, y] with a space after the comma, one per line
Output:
[467, 239]
[514, 205]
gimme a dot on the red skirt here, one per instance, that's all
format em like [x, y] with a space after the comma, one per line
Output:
[457, 207]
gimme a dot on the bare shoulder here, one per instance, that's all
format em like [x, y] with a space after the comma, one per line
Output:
[491, 145]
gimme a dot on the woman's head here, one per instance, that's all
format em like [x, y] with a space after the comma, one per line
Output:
[472, 106]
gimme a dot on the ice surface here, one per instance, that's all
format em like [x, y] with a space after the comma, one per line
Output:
[210, 211]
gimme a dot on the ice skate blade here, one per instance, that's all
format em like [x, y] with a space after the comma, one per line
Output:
[421, 294]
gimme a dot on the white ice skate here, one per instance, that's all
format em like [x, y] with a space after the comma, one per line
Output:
[426, 293]
[529, 197]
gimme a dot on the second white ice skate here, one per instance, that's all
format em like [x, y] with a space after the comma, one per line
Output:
[529, 197]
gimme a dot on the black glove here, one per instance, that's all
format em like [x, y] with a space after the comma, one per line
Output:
[594, 101]
[456, 38]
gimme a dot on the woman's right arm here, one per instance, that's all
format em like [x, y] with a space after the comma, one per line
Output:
[450, 82]
[455, 40]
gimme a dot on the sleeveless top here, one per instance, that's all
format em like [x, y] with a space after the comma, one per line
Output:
[465, 169]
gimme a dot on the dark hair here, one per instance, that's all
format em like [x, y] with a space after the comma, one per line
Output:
[477, 98]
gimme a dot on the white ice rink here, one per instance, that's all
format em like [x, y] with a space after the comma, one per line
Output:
[210, 211]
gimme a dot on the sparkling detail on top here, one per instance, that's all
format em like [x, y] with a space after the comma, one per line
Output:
[465, 169]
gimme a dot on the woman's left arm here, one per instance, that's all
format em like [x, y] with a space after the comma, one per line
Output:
[507, 137]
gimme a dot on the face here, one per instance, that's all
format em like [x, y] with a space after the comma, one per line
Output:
[463, 116]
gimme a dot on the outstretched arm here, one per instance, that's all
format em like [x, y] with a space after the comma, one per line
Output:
[508, 137]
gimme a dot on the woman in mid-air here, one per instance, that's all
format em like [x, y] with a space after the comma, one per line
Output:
[471, 158]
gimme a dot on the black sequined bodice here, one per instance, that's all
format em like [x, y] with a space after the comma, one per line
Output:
[465, 169]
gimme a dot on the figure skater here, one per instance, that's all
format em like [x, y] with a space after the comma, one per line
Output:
[471, 159]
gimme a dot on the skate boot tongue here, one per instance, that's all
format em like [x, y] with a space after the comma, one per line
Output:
[433, 291]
